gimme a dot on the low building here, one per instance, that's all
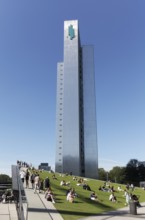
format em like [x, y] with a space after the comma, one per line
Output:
[44, 166]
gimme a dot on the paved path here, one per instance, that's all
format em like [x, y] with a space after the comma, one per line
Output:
[8, 211]
[40, 208]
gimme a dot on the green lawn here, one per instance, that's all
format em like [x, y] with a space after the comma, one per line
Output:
[83, 206]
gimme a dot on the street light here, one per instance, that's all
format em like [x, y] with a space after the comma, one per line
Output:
[107, 176]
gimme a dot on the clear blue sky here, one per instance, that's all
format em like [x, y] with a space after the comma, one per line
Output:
[31, 44]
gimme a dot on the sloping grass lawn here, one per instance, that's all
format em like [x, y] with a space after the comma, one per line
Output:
[83, 206]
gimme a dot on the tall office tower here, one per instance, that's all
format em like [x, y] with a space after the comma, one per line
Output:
[76, 132]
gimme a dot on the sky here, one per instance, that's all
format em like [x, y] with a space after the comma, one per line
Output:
[31, 44]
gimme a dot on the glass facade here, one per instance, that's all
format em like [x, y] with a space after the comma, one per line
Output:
[76, 148]
[89, 112]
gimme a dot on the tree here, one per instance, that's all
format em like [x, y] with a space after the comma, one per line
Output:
[102, 174]
[133, 163]
[117, 174]
[132, 172]
[5, 178]
[141, 170]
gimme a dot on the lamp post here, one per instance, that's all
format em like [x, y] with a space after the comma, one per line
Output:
[107, 176]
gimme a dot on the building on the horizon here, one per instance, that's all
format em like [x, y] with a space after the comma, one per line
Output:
[44, 166]
[76, 130]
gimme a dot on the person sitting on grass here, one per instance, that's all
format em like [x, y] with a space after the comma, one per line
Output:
[73, 191]
[112, 189]
[93, 196]
[7, 196]
[70, 196]
[64, 183]
[86, 187]
[112, 197]
[75, 178]
[80, 182]
[120, 189]
[54, 177]
[102, 188]
[49, 195]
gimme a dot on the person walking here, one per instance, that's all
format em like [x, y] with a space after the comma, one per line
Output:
[27, 178]
[32, 178]
[36, 183]
[22, 175]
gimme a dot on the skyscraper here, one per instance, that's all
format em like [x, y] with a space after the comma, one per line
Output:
[76, 132]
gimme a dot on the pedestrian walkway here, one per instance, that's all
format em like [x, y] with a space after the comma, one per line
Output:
[40, 208]
[8, 211]
[120, 214]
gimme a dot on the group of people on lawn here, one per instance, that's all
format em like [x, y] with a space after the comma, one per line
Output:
[38, 184]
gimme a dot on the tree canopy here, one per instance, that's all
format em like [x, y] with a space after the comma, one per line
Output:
[5, 178]
[134, 172]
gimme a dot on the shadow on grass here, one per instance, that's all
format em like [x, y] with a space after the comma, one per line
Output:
[87, 214]
[38, 210]
[104, 208]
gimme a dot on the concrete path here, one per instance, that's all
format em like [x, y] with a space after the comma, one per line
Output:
[8, 211]
[40, 208]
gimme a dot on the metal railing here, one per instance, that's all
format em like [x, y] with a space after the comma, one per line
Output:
[19, 194]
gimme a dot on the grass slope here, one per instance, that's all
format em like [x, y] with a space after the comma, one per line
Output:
[83, 206]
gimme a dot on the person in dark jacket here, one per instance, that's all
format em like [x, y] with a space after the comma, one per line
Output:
[46, 183]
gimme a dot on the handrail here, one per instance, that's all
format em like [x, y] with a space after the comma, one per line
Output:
[18, 189]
